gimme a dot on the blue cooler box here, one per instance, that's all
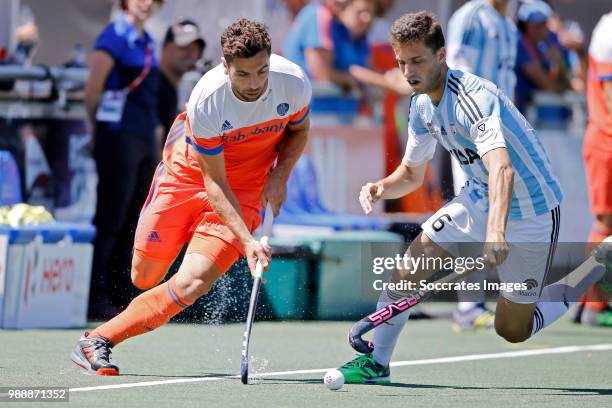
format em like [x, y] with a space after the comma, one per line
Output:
[45, 275]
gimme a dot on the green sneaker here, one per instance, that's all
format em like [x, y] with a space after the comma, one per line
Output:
[603, 255]
[365, 370]
[604, 318]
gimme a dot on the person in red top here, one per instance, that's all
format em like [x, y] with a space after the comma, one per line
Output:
[225, 157]
[598, 159]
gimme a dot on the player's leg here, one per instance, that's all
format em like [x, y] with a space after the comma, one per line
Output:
[448, 226]
[207, 258]
[385, 336]
[522, 313]
[374, 368]
[162, 230]
[532, 246]
[513, 321]
[203, 264]
[147, 273]
[517, 318]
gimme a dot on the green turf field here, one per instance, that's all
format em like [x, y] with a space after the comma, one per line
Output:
[190, 365]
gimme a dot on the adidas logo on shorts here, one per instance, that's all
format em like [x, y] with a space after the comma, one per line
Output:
[153, 237]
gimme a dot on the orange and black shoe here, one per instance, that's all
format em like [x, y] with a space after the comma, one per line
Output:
[93, 354]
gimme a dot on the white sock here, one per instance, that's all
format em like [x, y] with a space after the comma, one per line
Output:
[546, 313]
[385, 335]
[569, 289]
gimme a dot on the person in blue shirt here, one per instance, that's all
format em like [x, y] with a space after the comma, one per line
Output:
[329, 40]
[535, 69]
[321, 43]
[121, 103]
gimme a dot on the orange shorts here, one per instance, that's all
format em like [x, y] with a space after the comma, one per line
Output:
[598, 166]
[176, 213]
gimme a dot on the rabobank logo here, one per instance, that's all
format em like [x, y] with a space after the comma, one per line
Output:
[282, 108]
[240, 135]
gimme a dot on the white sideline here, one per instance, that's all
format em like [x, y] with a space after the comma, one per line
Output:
[441, 360]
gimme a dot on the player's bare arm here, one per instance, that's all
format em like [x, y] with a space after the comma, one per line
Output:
[501, 182]
[226, 205]
[404, 180]
[289, 151]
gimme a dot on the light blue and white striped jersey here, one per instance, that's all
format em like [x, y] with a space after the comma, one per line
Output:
[472, 118]
[483, 42]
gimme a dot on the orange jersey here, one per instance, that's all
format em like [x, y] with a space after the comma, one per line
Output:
[246, 132]
[600, 70]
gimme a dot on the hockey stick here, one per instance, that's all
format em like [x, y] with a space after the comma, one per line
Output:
[388, 312]
[244, 363]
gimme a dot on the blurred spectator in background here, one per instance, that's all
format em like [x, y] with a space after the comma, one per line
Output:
[121, 101]
[379, 32]
[358, 17]
[538, 67]
[13, 132]
[598, 160]
[183, 47]
[295, 6]
[322, 45]
[329, 41]
[568, 37]
[26, 36]
[482, 41]
[382, 56]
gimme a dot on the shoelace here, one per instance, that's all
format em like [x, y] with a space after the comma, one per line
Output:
[102, 349]
[359, 362]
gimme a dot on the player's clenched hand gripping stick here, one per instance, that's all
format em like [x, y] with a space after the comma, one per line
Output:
[266, 230]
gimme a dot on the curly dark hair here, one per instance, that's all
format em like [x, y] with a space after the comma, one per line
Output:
[245, 38]
[416, 27]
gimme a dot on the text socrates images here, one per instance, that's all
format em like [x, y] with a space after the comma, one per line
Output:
[458, 265]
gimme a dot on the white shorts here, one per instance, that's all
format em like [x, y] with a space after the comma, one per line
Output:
[532, 244]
